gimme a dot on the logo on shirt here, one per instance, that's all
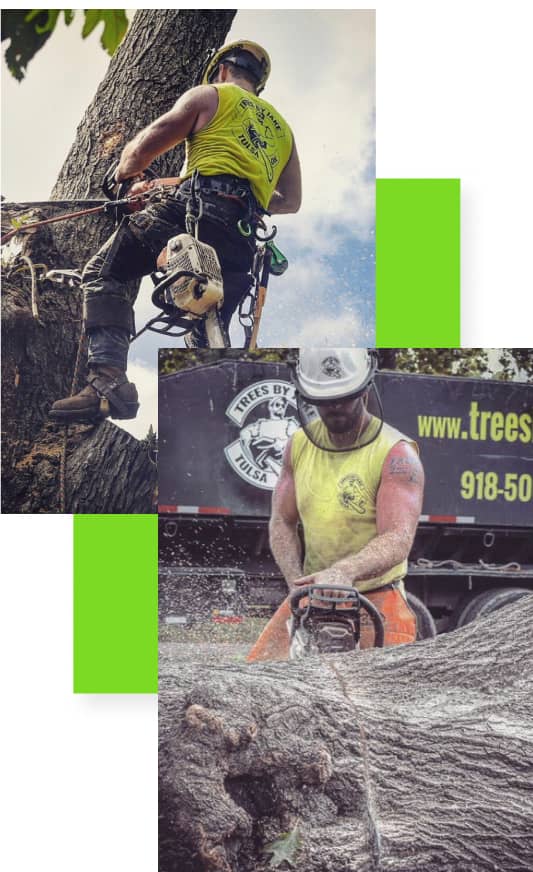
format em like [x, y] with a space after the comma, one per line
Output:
[263, 414]
[352, 494]
[258, 131]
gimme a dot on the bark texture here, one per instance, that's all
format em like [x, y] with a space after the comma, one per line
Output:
[161, 56]
[411, 758]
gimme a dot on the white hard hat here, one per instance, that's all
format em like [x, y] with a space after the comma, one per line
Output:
[325, 374]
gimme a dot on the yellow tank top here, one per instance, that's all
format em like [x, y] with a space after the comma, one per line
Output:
[336, 498]
[246, 138]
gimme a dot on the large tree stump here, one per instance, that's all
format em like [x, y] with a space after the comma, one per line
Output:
[161, 56]
[410, 758]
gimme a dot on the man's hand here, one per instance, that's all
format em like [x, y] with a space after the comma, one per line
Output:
[140, 188]
[331, 576]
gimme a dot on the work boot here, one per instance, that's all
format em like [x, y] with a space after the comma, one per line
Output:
[108, 393]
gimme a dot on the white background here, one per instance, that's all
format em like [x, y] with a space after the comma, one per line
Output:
[79, 773]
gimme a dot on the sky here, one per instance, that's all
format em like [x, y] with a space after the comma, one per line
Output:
[323, 83]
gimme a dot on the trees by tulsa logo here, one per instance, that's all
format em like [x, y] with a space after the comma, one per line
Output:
[263, 414]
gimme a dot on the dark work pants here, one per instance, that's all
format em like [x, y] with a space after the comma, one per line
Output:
[132, 251]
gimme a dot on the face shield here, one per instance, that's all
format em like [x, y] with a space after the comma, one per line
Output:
[338, 404]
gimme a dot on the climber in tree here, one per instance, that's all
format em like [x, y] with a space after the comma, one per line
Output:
[245, 162]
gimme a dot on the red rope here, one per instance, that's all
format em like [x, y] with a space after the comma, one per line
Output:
[7, 236]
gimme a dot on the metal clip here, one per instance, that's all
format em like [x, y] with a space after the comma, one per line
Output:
[268, 236]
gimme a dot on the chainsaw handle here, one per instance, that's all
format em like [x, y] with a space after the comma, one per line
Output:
[297, 595]
[169, 279]
[377, 620]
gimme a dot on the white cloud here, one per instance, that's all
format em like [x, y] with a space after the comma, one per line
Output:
[312, 292]
[41, 114]
[344, 331]
[145, 378]
[323, 82]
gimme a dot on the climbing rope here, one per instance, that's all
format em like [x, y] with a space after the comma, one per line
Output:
[32, 267]
[107, 206]
[24, 227]
[63, 456]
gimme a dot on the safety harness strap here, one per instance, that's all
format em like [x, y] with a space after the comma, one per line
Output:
[106, 389]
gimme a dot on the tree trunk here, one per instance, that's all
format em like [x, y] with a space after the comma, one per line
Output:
[410, 758]
[161, 56]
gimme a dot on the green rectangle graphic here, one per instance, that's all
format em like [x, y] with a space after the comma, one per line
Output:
[115, 603]
[418, 263]
[115, 556]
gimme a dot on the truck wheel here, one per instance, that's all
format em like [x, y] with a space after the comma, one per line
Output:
[487, 602]
[425, 625]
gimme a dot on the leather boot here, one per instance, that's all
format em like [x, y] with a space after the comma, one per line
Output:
[108, 393]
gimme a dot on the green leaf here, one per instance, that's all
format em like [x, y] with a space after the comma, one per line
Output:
[284, 848]
[20, 220]
[28, 30]
[92, 17]
[51, 21]
[115, 25]
[27, 34]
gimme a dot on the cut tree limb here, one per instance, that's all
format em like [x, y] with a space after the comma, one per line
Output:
[418, 757]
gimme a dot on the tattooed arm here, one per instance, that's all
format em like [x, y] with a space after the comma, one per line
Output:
[284, 540]
[399, 502]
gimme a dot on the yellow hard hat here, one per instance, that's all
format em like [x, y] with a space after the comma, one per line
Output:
[248, 55]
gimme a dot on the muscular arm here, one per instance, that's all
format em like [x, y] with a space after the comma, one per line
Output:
[193, 110]
[288, 194]
[284, 540]
[399, 502]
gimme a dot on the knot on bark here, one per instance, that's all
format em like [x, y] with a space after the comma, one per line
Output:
[317, 770]
[111, 140]
[200, 718]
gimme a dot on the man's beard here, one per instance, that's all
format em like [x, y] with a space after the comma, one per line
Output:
[341, 422]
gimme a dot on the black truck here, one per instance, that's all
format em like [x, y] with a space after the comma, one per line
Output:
[222, 429]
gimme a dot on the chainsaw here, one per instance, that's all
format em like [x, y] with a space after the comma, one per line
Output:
[330, 620]
[189, 287]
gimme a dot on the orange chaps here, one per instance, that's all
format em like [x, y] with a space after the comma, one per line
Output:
[398, 619]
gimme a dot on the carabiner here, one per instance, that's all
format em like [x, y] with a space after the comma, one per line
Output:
[244, 228]
[268, 236]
